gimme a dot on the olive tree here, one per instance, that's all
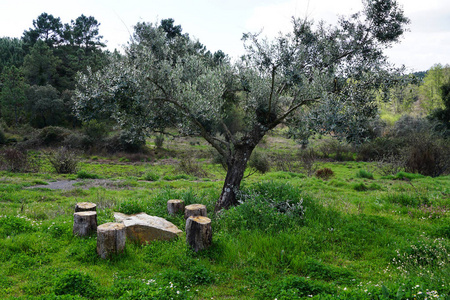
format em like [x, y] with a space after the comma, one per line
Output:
[319, 77]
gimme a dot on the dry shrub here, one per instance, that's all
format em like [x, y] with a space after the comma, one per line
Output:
[325, 173]
[427, 155]
[15, 160]
[190, 166]
[307, 160]
[63, 160]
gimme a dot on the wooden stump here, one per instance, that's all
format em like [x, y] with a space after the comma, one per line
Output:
[111, 239]
[84, 223]
[85, 206]
[198, 233]
[194, 210]
[175, 206]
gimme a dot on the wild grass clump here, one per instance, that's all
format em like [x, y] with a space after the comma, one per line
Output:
[76, 283]
[150, 176]
[82, 174]
[407, 199]
[294, 287]
[364, 174]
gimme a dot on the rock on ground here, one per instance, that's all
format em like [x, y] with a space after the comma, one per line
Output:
[142, 228]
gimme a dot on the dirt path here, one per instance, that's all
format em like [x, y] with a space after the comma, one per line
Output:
[69, 184]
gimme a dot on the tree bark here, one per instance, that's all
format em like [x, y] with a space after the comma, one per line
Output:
[235, 173]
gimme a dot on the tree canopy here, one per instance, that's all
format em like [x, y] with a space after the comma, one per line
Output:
[317, 75]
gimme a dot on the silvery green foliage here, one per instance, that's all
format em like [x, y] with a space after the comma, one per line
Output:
[317, 78]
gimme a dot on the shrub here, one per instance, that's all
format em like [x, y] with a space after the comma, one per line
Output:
[427, 155]
[15, 160]
[332, 148]
[379, 149]
[268, 206]
[190, 166]
[2, 137]
[63, 160]
[259, 162]
[308, 159]
[159, 141]
[325, 173]
[77, 141]
[76, 283]
[52, 135]
[95, 131]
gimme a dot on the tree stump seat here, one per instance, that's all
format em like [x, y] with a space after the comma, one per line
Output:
[111, 238]
[194, 210]
[84, 223]
[198, 233]
[85, 206]
[174, 206]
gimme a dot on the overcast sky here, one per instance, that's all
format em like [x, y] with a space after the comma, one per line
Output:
[219, 24]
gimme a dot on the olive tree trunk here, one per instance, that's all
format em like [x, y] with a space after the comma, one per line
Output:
[235, 173]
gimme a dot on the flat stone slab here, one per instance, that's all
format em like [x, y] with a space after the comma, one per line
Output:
[142, 228]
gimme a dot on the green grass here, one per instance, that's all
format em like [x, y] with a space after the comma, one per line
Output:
[353, 236]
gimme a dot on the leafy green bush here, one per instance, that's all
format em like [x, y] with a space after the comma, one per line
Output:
[76, 283]
[259, 162]
[52, 135]
[268, 206]
[159, 141]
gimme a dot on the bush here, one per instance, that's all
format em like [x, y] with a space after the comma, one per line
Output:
[2, 138]
[52, 135]
[15, 160]
[268, 207]
[337, 150]
[63, 160]
[379, 149]
[308, 159]
[427, 155]
[159, 141]
[77, 141]
[95, 131]
[190, 166]
[324, 173]
[259, 162]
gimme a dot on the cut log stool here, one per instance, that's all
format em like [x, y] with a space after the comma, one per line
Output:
[84, 223]
[175, 206]
[85, 206]
[198, 233]
[111, 239]
[194, 210]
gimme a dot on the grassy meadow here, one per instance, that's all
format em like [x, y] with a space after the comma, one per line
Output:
[357, 234]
